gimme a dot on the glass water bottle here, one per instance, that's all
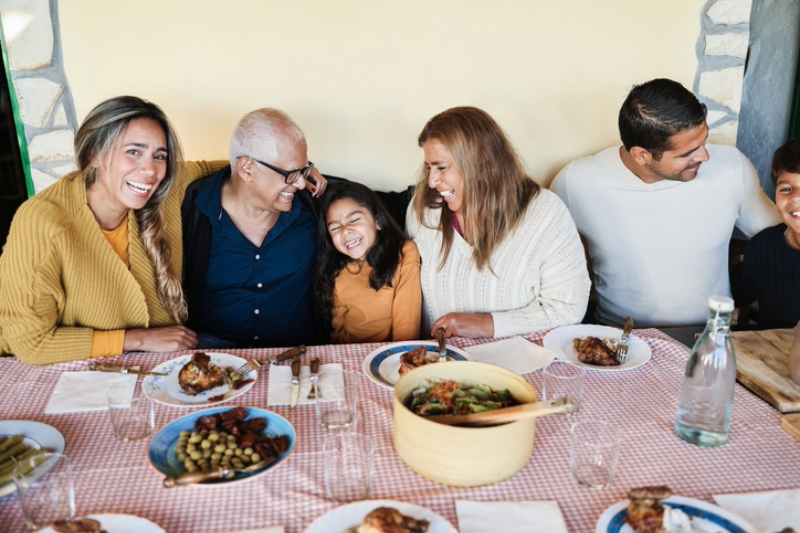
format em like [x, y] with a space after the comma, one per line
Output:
[706, 403]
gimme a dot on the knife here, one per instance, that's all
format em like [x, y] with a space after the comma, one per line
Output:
[288, 354]
[295, 382]
[108, 367]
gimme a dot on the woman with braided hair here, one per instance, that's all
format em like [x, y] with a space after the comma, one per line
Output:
[89, 269]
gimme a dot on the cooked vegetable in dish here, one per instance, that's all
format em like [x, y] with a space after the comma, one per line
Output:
[445, 397]
[12, 451]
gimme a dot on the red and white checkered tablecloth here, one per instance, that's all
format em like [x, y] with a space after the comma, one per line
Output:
[116, 477]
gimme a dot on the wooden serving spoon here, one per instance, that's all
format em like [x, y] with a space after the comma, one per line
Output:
[508, 414]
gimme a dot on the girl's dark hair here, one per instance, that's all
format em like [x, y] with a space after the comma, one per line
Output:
[384, 257]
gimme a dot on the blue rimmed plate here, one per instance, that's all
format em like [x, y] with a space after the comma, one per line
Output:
[383, 365]
[705, 517]
[164, 458]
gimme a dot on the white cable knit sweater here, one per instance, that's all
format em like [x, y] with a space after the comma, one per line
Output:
[540, 278]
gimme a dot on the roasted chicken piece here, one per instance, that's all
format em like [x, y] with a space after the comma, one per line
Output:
[200, 375]
[645, 512]
[389, 520]
[80, 525]
[415, 358]
[594, 351]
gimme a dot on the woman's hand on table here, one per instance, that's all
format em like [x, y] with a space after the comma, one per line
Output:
[469, 325]
[169, 339]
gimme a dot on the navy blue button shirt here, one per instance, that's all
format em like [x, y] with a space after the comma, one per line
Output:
[257, 295]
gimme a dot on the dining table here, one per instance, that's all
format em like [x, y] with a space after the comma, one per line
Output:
[116, 477]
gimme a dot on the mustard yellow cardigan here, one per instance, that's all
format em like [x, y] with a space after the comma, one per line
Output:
[60, 279]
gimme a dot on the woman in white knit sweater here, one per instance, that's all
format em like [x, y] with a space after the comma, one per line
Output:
[500, 256]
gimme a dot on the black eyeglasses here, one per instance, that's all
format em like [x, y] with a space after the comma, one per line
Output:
[290, 176]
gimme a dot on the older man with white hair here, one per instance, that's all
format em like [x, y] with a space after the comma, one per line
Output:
[249, 238]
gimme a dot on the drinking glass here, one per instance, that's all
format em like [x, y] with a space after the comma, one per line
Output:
[337, 399]
[564, 379]
[46, 487]
[348, 466]
[132, 418]
[594, 452]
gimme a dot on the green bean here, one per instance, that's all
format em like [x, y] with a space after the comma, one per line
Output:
[12, 463]
[16, 450]
[5, 478]
[9, 443]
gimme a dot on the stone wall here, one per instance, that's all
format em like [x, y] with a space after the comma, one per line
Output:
[721, 51]
[48, 113]
[37, 71]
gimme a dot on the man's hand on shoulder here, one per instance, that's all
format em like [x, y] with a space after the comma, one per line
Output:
[317, 183]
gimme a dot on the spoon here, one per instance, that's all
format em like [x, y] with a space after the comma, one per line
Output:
[215, 473]
[508, 414]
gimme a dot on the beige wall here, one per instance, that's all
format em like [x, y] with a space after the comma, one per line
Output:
[362, 77]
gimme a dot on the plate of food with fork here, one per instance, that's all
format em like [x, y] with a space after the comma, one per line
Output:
[200, 379]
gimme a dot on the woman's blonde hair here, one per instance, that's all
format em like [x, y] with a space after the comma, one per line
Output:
[497, 190]
[96, 137]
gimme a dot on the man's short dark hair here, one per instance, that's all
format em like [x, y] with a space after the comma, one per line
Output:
[786, 159]
[655, 111]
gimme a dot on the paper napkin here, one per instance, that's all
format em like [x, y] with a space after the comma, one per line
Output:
[280, 382]
[766, 511]
[509, 517]
[515, 354]
[79, 392]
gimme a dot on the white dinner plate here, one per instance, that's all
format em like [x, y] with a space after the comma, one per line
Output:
[168, 391]
[706, 517]
[351, 515]
[560, 341]
[36, 435]
[383, 365]
[120, 523]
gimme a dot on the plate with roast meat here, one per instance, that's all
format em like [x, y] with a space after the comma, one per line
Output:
[199, 379]
[380, 516]
[246, 431]
[594, 347]
[105, 523]
[656, 510]
[385, 365]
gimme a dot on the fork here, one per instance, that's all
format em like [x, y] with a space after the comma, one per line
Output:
[312, 394]
[248, 367]
[252, 364]
[624, 340]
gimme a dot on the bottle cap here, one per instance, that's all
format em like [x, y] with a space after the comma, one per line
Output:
[722, 304]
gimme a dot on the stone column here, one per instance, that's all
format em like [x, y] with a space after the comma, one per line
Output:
[722, 49]
[47, 111]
